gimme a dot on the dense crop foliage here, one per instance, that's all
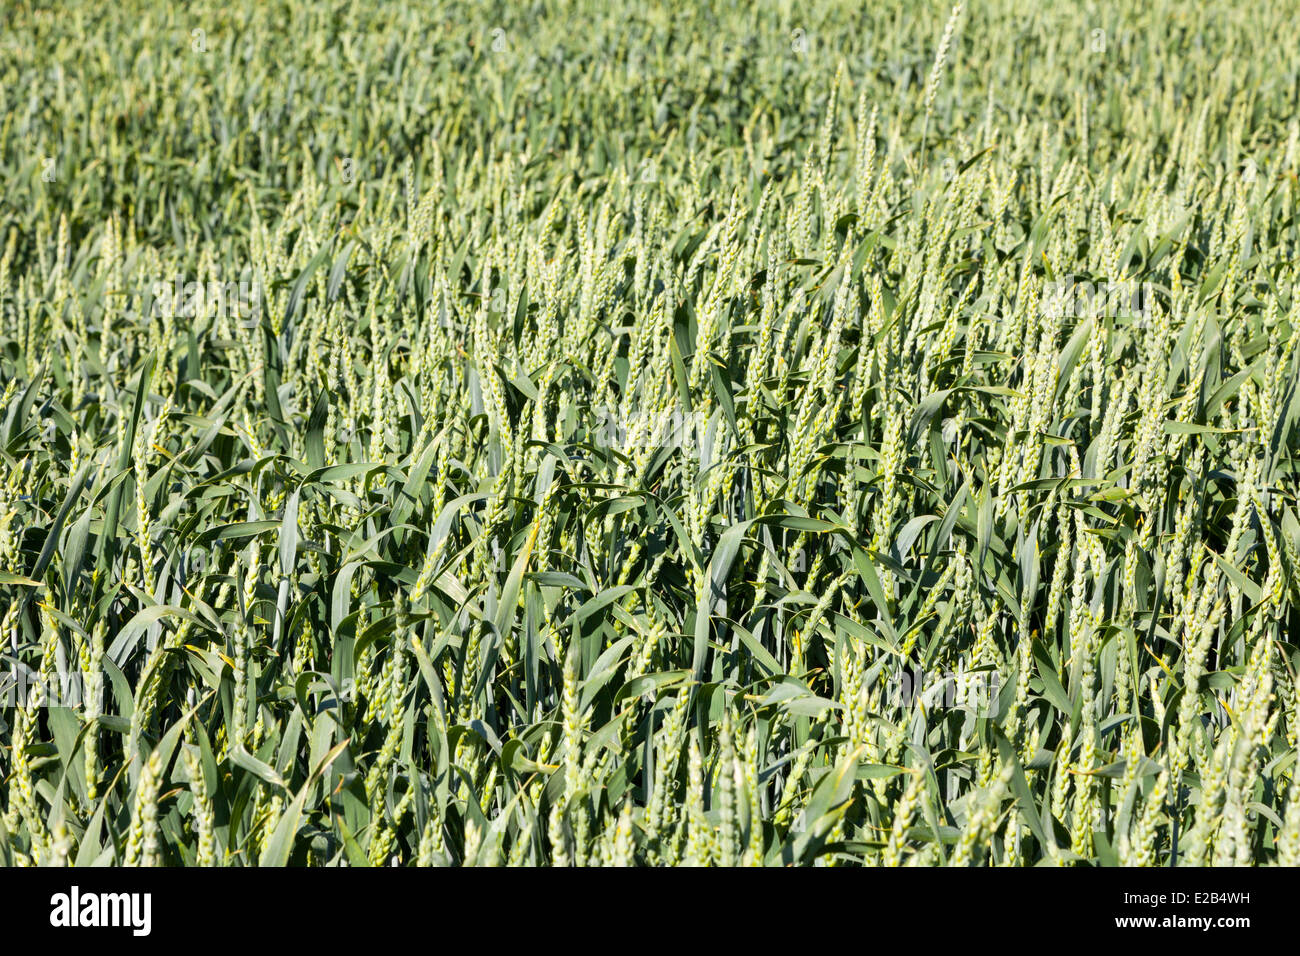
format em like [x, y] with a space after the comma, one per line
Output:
[561, 434]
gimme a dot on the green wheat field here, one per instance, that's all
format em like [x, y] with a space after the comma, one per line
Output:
[582, 433]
